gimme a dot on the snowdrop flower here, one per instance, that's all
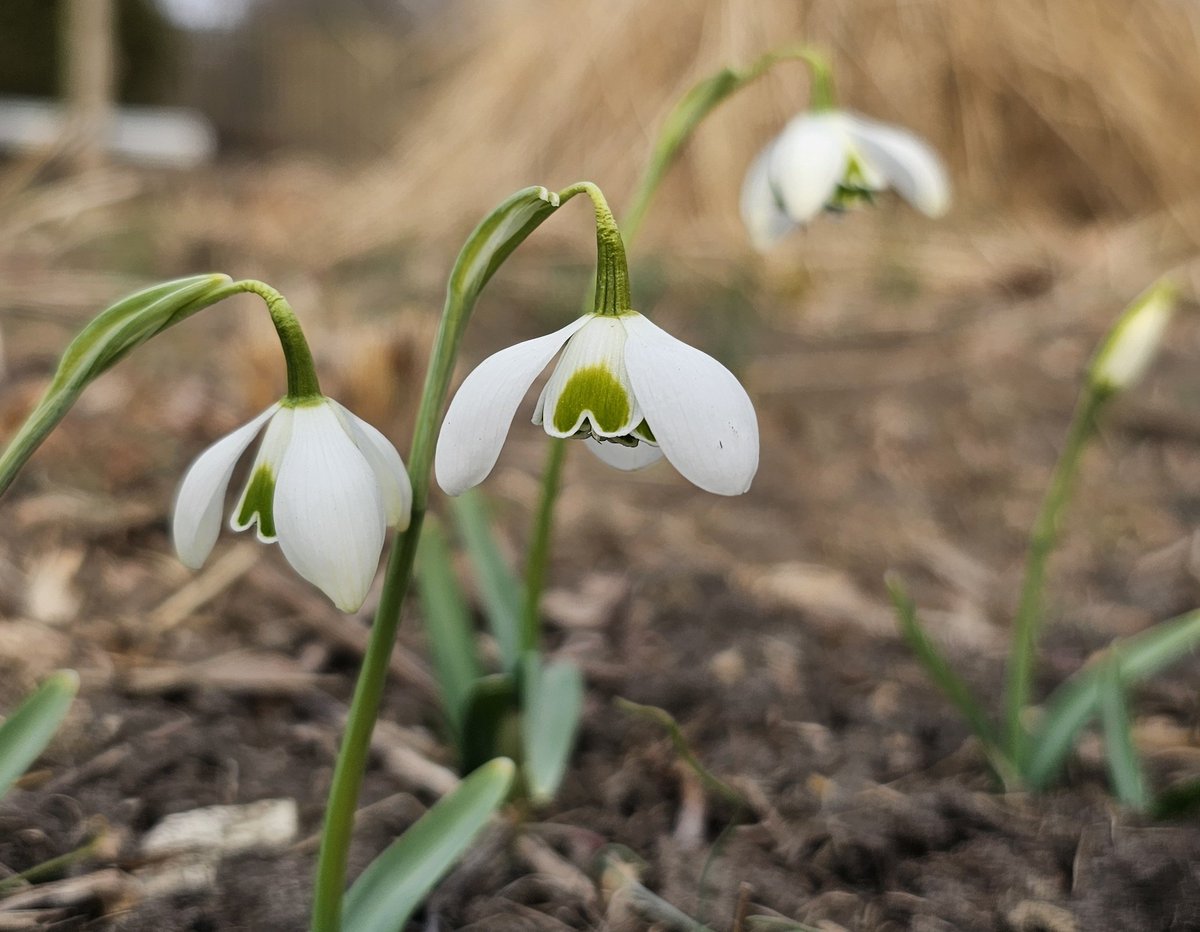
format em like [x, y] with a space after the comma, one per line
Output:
[631, 391]
[325, 485]
[831, 160]
[1130, 346]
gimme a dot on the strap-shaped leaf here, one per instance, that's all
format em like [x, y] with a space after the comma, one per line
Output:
[1124, 768]
[502, 593]
[25, 733]
[392, 887]
[122, 327]
[551, 706]
[1073, 704]
[938, 667]
[447, 623]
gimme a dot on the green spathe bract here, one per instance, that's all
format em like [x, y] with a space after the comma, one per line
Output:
[112, 334]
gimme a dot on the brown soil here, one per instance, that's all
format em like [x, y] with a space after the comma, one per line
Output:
[905, 430]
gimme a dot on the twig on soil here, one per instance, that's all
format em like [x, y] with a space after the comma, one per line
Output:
[742, 907]
[347, 633]
[246, 672]
[395, 746]
[110, 886]
[218, 577]
[541, 858]
[411, 804]
[693, 809]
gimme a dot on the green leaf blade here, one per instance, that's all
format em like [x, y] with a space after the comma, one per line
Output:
[551, 711]
[395, 884]
[1075, 702]
[502, 593]
[27, 732]
[113, 333]
[447, 623]
[938, 667]
[1124, 768]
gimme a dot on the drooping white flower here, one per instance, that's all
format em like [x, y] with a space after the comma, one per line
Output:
[626, 387]
[831, 160]
[325, 485]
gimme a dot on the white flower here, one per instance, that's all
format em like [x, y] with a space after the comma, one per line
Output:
[325, 485]
[1128, 350]
[632, 391]
[829, 160]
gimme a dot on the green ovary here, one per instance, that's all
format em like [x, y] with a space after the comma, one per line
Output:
[260, 493]
[595, 391]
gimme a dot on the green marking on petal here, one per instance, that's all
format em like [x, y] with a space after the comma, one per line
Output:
[260, 494]
[643, 432]
[593, 390]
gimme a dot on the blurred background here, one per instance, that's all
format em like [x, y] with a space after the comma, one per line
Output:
[913, 380]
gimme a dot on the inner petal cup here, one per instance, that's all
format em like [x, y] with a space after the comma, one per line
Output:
[590, 388]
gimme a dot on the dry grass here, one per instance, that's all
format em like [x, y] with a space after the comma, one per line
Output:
[1084, 107]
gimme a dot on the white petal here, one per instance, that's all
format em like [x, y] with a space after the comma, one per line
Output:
[385, 462]
[328, 508]
[267, 459]
[596, 356]
[807, 162]
[196, 517]
[907, 162]
[620, 456]
[765, 219]
[699, 412]
[480, 414]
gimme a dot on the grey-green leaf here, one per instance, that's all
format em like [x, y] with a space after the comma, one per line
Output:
[501, 591]
[938, 667]
[25, 733]
[1124, 768]
[1076, 701]
[392, 887]
[551, 707]
[113, 333]
[447, 623]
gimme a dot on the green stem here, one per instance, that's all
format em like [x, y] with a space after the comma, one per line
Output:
[1041, 542]
[487, 247]
[301, 371]
[612, 296]
[612, 268]
[699, 102]
[539, 548]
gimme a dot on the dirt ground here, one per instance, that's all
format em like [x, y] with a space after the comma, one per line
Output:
[910, 417]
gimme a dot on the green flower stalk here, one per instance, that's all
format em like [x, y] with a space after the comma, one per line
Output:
[1122, 359]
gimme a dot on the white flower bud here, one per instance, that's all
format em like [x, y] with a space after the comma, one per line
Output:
[1131, 344]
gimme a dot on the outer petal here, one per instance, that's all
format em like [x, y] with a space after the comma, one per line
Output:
[196, 520]
[385, 462]
[328, 508]
[907, 162]
[699, 412]
[807, 162]
[765, 219]
[480, 414]
[590, 384]
[620, 456]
